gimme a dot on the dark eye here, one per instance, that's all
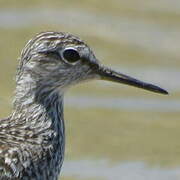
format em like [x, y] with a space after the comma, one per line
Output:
[71, 55]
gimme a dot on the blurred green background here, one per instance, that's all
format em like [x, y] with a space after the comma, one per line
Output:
[106, 121]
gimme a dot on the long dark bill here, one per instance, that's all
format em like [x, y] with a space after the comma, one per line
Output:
[111, 75]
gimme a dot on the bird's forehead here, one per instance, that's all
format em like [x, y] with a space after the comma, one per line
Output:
[53, 40]
[50, 40]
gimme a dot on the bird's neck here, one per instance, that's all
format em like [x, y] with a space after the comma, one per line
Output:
[38, 116]
[39, 111]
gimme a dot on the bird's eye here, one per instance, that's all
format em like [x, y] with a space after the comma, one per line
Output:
[71, 55]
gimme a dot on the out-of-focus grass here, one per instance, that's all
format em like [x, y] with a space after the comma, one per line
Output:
[127, 8]
[121, 135]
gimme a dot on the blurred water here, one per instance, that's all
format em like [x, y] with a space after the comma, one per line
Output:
[130, 104]
[148, 35]
[83, 169]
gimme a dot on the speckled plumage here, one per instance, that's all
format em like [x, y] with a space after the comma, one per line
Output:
[32, 138]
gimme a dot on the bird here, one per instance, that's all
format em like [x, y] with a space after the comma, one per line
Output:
[32, 137]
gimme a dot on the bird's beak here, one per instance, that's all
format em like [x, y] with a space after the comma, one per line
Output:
[111, 75]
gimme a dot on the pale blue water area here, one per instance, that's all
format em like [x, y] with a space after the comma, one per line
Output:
[151, 36]
[103, 169]
[120, 103]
